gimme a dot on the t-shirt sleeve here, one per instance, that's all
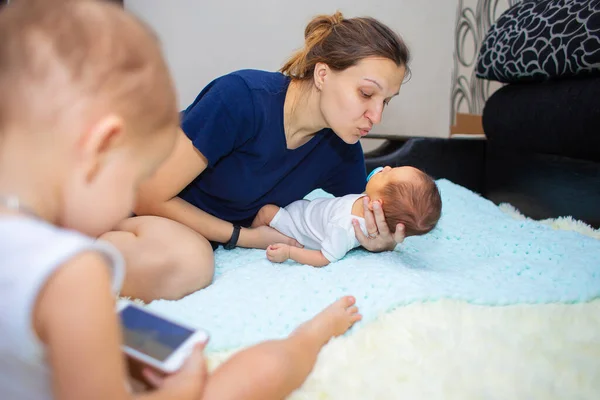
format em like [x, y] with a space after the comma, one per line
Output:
[221, 118]
[337, 243]
[349, 176]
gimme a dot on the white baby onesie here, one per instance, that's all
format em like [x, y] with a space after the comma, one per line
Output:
[322, 224]
[31, 251]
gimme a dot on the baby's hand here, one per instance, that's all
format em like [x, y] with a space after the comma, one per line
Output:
[278, 253]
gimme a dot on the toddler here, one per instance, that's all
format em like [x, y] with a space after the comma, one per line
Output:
[87, 112]
[324, 226]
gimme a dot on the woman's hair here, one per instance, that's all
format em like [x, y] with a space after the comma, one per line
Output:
[416, 204]
[341, 43]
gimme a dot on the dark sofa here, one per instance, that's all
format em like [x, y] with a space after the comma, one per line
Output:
[542, 147]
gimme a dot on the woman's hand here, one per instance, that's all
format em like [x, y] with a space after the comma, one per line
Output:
[262, 237]
[380, 238]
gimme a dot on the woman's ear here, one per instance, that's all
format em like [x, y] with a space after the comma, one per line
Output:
[98, 141]
[320, 74]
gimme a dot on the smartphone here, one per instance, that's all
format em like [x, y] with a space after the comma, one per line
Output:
[154, 339]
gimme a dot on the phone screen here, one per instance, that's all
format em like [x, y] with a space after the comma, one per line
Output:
[152, 335]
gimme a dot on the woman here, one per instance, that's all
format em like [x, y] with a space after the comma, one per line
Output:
[253, 138]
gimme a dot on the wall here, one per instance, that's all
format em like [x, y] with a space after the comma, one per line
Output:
[474, 18]
[205, 39]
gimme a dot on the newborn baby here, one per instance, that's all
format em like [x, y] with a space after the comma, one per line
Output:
[324, 226]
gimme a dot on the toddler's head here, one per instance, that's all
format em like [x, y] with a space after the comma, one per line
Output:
[88, 109]
[408, 196]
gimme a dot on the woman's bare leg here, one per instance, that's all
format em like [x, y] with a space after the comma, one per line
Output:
[165, 259]
[274, 369]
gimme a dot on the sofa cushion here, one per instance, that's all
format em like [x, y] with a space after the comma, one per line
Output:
[560, 117]
[540, 39]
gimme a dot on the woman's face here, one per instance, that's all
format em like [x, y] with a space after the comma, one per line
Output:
[353, 100]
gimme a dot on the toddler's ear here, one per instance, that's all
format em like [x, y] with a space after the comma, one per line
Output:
[100, 138]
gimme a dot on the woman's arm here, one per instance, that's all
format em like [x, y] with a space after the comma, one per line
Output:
[158, 196]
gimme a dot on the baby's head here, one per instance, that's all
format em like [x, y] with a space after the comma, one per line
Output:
[408, 196]
[88, 103]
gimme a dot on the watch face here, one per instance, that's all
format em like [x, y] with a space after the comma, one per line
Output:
[232, 243]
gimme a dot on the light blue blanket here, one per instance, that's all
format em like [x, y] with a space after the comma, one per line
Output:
[477, 254]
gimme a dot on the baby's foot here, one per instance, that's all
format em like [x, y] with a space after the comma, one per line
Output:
[332, 321]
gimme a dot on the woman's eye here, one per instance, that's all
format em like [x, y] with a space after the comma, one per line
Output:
[386, 102]
[365, 95]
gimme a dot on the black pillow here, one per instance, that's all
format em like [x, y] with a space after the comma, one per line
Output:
[540, 39]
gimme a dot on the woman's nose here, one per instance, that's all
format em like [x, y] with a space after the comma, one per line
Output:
[374, 114]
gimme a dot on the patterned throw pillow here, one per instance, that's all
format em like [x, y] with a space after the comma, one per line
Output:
[540, 39]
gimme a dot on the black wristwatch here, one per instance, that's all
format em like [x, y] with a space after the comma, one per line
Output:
[235, 235]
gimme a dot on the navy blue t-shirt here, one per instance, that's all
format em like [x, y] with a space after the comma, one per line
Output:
[236, 122]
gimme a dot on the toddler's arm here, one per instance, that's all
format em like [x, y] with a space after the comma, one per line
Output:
[281, 252]
[74, 316]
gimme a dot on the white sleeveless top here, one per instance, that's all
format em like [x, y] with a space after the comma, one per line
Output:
[30, 252]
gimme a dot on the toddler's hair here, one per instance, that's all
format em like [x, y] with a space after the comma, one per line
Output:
[64, 61]
[417, 205]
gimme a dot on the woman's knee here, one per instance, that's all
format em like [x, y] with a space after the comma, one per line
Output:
[189, 266]
[165, 259]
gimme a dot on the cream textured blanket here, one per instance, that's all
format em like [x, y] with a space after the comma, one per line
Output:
[455, 350]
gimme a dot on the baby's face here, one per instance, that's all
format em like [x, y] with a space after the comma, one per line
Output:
[389, 175]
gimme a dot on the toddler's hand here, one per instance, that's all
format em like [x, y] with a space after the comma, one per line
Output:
[278, 253]
[188, 382]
